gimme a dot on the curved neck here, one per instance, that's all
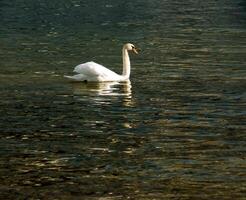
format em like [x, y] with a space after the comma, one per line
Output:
[126, 63]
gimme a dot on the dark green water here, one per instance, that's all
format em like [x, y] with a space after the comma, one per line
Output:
[177, 131]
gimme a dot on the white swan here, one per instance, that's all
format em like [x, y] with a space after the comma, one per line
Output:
[94, 72]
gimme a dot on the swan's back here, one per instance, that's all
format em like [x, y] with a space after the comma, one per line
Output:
[92, 71]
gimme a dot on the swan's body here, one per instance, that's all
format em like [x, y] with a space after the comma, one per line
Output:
[94, 72]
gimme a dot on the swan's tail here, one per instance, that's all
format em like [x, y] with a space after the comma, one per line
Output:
[77, 77]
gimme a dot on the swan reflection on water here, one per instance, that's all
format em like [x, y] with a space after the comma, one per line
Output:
[103, 92]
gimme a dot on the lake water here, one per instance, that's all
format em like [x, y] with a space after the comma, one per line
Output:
[176, 131]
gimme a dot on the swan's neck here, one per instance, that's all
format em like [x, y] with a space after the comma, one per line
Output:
[126, 63]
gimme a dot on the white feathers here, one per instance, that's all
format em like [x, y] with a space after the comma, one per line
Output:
[91, 71]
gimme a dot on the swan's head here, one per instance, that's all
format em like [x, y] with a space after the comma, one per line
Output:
[131, 47]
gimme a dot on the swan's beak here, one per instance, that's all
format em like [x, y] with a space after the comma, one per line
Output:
[135, 50]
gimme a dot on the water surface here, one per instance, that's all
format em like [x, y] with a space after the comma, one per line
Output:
[175, 131]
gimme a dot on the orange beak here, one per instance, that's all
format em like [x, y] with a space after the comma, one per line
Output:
[135, 50]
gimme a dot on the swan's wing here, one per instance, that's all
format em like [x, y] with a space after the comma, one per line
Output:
[93, 69]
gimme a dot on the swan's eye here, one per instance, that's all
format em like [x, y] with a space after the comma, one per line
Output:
[133, 47]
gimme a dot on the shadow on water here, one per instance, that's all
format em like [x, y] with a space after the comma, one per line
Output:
[103, 93]
[103, 89]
